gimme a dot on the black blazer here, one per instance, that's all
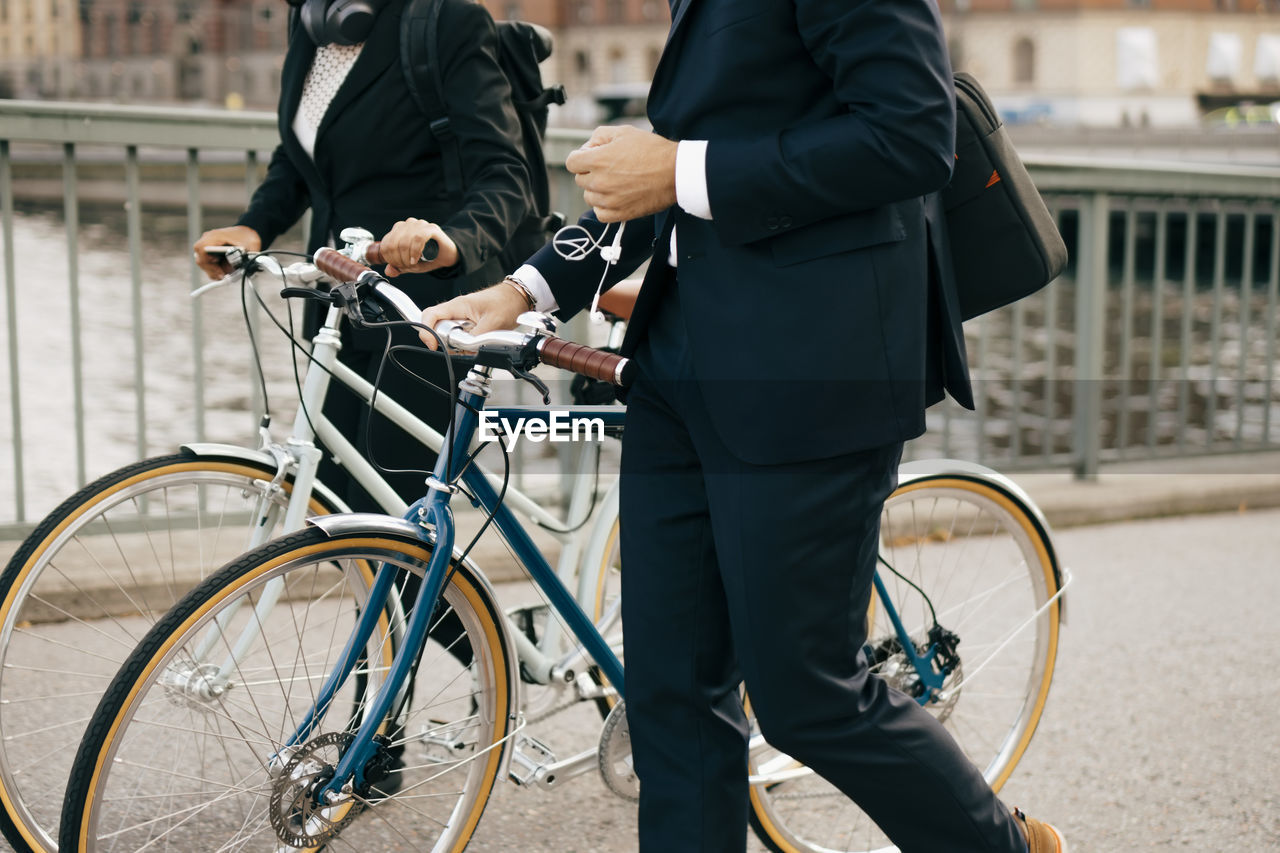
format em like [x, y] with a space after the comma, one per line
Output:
[376, 161]
[815, 326]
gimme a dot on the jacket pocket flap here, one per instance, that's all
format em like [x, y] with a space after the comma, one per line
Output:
[840, 234]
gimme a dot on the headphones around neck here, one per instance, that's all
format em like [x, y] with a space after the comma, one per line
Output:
[339, 21]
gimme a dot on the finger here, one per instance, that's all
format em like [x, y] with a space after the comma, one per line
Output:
[391, 271]
[582, 160]
[609, 214]
[207, 265]
[429, 319]
[602, 135]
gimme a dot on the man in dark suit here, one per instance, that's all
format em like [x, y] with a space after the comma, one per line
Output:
[369, 159]
[788, 337]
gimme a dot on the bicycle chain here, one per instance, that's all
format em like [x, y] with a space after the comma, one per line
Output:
[554, 710]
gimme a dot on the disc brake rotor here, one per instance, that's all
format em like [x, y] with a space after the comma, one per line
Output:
[298, 817]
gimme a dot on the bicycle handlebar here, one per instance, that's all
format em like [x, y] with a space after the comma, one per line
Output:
[584, 360]
[373, 251]
[566, 355]
[338, 266]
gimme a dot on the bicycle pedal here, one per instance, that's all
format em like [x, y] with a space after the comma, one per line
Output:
[528, 756]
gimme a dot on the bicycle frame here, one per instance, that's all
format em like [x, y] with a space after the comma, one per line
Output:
[432, 520]
[302, 455]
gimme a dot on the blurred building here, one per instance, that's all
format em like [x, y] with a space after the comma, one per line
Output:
[39, 43]
[229, 52]
[1158, 63]
[1069, 62]
[144, 51]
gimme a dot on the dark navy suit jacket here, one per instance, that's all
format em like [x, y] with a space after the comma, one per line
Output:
[819, 320]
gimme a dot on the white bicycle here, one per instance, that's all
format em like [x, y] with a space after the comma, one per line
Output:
[105, 565]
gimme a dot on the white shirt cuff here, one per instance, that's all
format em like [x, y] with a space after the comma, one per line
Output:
[544, 299]
[691, 178]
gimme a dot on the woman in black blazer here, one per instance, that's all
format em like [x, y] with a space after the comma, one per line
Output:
[357, 151]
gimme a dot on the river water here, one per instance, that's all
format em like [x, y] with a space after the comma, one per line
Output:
[168, 392]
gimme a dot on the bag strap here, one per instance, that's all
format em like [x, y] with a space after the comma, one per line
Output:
[419, 50]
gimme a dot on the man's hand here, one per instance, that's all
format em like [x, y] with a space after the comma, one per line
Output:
[625, 172]
[216, 266]
[496, 307]
[402, 247]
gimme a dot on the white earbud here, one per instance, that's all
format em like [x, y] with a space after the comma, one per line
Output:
[613, 251]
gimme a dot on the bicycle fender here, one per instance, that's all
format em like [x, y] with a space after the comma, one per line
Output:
[920, 469]
[244, 453]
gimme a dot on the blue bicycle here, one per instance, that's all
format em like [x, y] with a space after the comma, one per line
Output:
[289, 702]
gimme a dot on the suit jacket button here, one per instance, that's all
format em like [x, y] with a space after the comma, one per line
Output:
[771, 223]
[785, 221]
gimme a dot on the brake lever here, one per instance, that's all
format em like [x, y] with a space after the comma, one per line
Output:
[306, 293]
[535, 382]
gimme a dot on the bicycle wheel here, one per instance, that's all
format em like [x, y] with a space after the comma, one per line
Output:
[177, 758]
[988, 569]
[86, 585]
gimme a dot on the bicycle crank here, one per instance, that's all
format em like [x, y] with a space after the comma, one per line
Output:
[616, 767]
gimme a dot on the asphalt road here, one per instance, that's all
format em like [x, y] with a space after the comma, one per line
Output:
[1161, 730]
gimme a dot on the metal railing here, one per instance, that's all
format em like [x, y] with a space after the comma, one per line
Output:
[1160, 338]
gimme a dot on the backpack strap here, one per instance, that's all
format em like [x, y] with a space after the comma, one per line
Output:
[419, 42]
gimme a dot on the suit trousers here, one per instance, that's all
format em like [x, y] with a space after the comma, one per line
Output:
[762, 574]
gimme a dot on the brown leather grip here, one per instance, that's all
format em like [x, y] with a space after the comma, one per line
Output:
[339, 266]
[597, 364]
[373, 252]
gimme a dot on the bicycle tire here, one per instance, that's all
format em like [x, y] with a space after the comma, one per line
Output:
[75, 574]
[977, 552]
[118, 791]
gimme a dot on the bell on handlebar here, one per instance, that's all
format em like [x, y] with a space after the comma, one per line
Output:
[357, 242]
[355, 235]
[536, 323]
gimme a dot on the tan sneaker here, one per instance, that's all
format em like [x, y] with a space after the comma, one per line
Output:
[1041, 837]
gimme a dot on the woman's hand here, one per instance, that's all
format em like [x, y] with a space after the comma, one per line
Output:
[495, 307]
[216, 266]
[402, 247]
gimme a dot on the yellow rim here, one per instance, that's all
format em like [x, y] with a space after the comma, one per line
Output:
[601, 578]
[99, 498]
[1051, 587]
[467, 589]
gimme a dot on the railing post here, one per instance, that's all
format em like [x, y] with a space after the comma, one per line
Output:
[1091, 300]
[11, 312]
[133, 226]
[71, 213]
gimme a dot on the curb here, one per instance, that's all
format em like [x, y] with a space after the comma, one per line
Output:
[1120, 493]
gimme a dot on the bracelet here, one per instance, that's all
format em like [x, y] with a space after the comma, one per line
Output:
[529, 301]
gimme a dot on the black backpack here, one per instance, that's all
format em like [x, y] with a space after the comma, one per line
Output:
[521, 46]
